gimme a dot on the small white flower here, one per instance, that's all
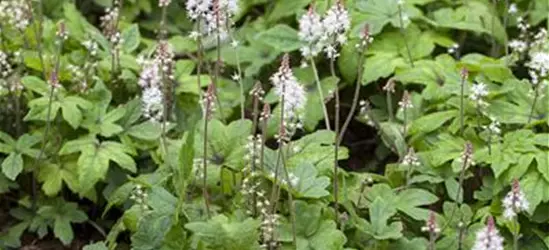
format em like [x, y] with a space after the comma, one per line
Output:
[494, 127]
[406, 101]
[411, 159]
[453, 49]
[234, 43]
[515, 201]
[288, 88]
[488, 238]
[512, 8]
[518, 45]
[235, 77]
[478, 92]
[164, 3]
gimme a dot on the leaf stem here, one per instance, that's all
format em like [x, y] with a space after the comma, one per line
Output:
[401, 26]
[320, 94]
[336, 151]
[356, 94]
[533, 108]
[205, 164]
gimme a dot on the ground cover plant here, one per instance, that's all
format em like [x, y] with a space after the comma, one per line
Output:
[262, 124]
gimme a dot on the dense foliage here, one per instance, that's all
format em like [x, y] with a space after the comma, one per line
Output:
[286, 124]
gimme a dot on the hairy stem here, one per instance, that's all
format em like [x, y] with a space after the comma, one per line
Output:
[205, 164]
[321, 95]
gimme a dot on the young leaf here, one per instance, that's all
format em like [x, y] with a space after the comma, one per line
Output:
[12, 165]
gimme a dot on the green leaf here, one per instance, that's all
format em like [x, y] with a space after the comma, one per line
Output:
[118, 153]
[391, 134]
[36, 84]
[185, 160]
[63, 230]
[431, 122]
[542, 139]
[380, 212]
[410, 199]
[12, 166]
[542, 159]
[308, 185]
[96, 246]
[148, 131]
[151, 231]
[52, 177]
[281, 37]
[535, 188]
[327, 237]
[94, 159]
[380, 65]
[307, 217]
[131, 38]
[474, 16]
[452, 187]
[221, 233]
[378, 13]
[284, 8]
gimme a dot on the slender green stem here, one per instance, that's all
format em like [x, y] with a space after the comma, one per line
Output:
[533, 108]
[166, 83]
[390, 105]
[401, 26]
[48, 117]
[290, 199]
[432, 238]
[239, 72]
[505, 23]
[516, 234]
[462, 106]
[494, 43]
[321, 94]
[336, 151]
[200, 51]
[205, 164]
[356, 95]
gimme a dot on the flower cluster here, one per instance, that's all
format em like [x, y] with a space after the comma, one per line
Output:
[324, 34]
[467, 156]
[494, 126]
[91, 46]
[140, 197]
[431, 225]
[5, 67]
[208, 102]
[290, 92]
[411, 159]
[535, 45]
[269, 222]
[488, 238]
[164, 3]
[154, 79]
[109, 24]
[15, 13]
[364, 111]
[152, 98]
[406, 101]
[212, 15]
[515, 201]
[253, 147]
[478, 92]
